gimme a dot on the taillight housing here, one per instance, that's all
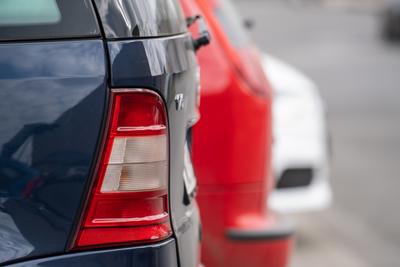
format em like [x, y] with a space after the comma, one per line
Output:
[129, 199]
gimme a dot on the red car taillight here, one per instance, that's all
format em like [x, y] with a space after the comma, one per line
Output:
[128, 201]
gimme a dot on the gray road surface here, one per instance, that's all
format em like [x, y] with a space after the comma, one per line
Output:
[359, 76]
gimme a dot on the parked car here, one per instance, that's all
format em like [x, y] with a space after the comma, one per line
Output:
[95, 114]
[391, 19]
[301, 150]
[232, 148]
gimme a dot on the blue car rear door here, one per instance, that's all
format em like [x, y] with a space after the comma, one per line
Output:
[53, 88]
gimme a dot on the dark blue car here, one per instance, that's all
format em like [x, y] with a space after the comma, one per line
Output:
[96, 102]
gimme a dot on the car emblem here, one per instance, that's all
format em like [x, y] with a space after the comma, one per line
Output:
[179, 102]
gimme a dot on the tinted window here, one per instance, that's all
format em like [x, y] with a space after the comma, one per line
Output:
[20, 12]
[140, 18]
[46, 19]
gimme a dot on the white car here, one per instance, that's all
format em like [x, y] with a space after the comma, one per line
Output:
[301, 145]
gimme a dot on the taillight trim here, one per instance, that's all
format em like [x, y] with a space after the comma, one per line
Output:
[103, 155]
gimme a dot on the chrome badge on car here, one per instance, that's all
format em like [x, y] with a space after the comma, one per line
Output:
[179, 102]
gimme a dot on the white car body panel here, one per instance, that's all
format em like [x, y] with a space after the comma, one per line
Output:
[300, 138]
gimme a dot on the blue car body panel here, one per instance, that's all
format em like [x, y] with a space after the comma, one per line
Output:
[157, 255]
[54, 98]
[168, 66]
[52, 103]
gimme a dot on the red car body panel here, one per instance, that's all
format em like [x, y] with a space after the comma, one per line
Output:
[232, 152]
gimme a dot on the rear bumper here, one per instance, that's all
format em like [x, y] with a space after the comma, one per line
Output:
[255, 246]
[302, 197]
[163, 254]
[282, 230]
[315, 197]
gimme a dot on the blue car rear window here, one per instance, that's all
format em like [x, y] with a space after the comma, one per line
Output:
[46, 19]
[32, 12]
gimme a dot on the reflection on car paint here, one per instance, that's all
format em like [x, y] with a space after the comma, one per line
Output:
[47, 139]
[13, 244]
[153, 57]
[126, 19]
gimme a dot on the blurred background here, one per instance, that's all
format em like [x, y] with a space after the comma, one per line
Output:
[339, 45]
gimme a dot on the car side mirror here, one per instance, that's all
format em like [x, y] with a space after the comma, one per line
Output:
[204, 34]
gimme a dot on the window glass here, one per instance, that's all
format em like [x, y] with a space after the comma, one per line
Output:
[46, 19]
[22, 12]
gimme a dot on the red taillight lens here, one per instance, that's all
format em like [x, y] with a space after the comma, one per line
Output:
[128, 203]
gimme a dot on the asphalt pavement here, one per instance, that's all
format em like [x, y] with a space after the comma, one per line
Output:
[340, 47]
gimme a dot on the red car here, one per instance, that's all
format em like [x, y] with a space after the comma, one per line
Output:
[232, 147]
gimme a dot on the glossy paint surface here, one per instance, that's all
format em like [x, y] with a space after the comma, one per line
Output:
[52, 102]
[140, 18]
[232, 152]
[167, 65]
[159, 255]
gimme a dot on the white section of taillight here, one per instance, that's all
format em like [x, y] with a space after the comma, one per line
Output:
[139, 149]
[137, 163]
[135, 177]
